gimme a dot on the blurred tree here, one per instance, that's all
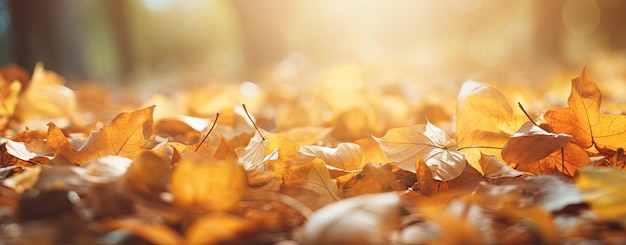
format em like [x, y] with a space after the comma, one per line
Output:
[46, 31]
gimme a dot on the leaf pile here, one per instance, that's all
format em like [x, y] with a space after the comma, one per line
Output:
[335, 166]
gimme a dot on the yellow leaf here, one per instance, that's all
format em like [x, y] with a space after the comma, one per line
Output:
[206, 184]
[483, 118]
[603, 189]
[45, 98]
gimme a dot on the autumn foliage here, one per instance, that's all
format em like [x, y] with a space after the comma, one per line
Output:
[493, 175]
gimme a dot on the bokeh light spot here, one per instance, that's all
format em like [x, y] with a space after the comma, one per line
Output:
[248, 89]
[581, 17]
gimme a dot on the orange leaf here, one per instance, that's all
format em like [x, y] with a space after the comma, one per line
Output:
[567, 160]
[202, 184]
[125, 136]
[583, 119]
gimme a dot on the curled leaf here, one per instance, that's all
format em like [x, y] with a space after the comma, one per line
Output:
[366, 219]
[405, 145]
[531, 143]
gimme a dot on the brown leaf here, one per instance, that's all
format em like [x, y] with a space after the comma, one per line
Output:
[567, 160]
[531, 143]
[469, 179]
[374, 179]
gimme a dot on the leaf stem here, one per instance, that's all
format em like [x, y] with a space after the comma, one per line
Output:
[253, 123]
[526, 113]
[217, 115]
[478, 147]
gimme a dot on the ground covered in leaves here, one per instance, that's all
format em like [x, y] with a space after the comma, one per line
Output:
[336, 163]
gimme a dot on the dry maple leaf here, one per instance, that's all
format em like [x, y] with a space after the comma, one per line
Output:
[125, 136]
[583, 119]
[405, 145]
[531, 143]
[567, 160]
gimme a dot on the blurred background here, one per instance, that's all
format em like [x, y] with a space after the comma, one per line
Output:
[151, 41]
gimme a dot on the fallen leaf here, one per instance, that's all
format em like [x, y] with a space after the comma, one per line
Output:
[125, 136]
[567, 160]
[603, 188]
[405, 145]
[374, 179]
[322, 190]
[149, 230]
[147, 175]
[217, 227]
[484, 120]
[252, 157]
[531, 143]
[493, 168]
[366, 219]
[372, 151]
[425, 180]
[583, 119]
[10, 89]
[45, 99]
[207, 184]
[346, 156]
